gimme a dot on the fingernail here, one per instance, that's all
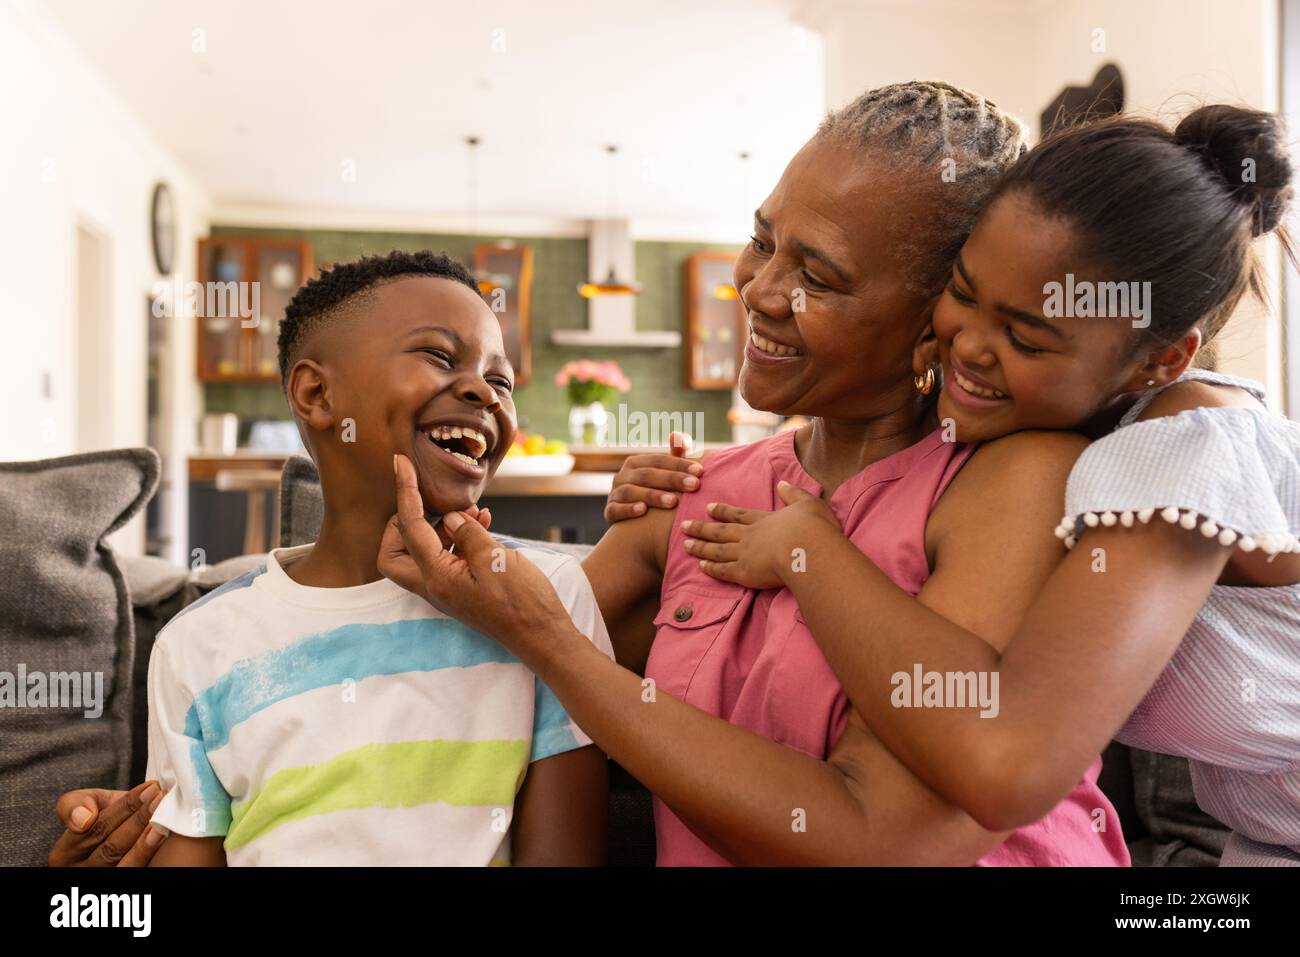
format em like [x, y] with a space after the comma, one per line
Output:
[687, 525]
[79, 817]
[666, 499]
[453, 521]
[783, 484]
[690, 544]
[696, 469]
[639, 507]
[711, 506]
[153, 806]
[151, 792]
[153, 837]
[691, 482]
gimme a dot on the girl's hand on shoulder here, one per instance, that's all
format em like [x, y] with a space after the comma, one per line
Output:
[650, 481]
[759, 549]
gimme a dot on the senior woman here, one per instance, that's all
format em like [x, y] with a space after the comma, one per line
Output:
[739, 727]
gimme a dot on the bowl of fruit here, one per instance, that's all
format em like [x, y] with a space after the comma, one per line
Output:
[535, 455]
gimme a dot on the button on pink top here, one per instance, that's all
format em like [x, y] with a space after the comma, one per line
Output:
[749, 657]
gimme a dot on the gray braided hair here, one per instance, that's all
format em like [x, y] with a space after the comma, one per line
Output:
[944, 138]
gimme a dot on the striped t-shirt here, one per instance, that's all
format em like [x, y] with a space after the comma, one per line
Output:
[349, 725]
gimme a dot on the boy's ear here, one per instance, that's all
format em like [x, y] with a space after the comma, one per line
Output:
[1165, 365]
[310, 396]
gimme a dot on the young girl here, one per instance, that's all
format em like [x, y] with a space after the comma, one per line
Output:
[1106, 258]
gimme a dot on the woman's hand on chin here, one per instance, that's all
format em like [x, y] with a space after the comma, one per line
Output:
[480, 582]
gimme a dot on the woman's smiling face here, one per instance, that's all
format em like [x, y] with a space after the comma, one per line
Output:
[832, 322]
[1008, 367]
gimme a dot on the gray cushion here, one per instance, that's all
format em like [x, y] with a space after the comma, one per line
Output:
[64, 608]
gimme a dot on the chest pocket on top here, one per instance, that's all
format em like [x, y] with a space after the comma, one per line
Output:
[685, 629]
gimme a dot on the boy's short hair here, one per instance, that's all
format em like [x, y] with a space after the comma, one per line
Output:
[318, 301]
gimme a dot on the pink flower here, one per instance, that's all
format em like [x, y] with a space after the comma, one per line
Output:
[606, 374]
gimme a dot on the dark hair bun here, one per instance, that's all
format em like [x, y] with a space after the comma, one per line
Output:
[1248, 150]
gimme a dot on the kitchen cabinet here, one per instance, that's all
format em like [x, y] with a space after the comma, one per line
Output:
[244, 287]
[715, 322]
[505, 280]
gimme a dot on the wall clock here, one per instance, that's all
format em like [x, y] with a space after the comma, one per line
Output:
[162, 222]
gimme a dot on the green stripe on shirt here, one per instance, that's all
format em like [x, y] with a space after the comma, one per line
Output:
[405, 774]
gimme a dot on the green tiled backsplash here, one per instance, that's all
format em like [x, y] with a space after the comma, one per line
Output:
[657, 375]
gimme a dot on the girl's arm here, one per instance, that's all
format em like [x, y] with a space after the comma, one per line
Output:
[653, 480]
[751, 799]
[1092, 643]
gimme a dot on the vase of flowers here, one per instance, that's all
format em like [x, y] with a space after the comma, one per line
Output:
[591, 387]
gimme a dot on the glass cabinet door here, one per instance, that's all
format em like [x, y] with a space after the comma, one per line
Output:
[279, 270]
[715, 322]
[222, 270]
[244, 287]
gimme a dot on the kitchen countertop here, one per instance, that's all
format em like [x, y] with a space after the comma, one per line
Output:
[205, 466]
[575, 483]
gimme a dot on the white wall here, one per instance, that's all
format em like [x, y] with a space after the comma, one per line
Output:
[1176, 54]
[75, 155]
[1019, 53]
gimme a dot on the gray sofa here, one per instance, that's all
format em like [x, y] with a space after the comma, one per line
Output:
[68, 604]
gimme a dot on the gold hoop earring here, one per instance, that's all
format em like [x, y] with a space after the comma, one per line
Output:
[924, 384]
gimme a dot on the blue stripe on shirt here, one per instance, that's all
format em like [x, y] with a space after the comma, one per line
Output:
[353, 652]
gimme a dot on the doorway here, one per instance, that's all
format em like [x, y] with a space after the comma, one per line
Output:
[93, 427]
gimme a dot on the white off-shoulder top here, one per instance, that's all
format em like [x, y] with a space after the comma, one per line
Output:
[1229, 699]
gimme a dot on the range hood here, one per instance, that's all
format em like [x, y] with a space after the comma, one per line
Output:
[611, 320]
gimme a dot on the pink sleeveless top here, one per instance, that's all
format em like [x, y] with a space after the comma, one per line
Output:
[748, 656]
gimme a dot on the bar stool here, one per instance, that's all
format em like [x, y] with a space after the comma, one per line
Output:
[263, 489]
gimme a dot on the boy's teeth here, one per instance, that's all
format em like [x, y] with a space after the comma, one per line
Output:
[971, 387]
[772, 348]
[465, 458]
[447, 432]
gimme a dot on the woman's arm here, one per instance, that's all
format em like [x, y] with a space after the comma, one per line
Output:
[1099, 628]
[753, 800]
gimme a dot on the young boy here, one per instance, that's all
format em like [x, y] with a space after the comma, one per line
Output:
[314, 712]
